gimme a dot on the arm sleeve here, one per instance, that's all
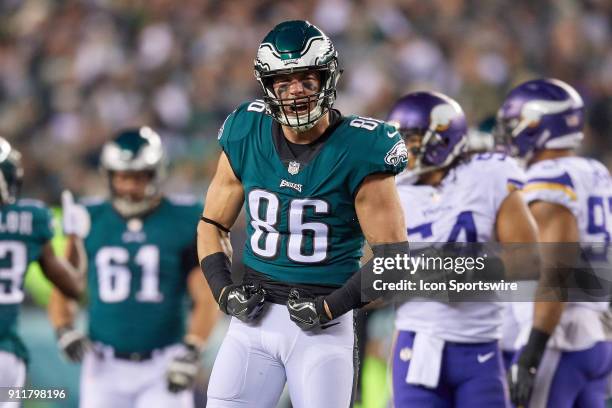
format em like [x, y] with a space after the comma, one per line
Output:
[381, 150]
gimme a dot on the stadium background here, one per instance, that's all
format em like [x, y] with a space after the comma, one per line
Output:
[74, 72]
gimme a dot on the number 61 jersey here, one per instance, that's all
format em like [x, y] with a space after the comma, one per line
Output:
[137, 274]
[301, 221]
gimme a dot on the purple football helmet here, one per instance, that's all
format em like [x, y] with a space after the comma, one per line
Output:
[441, 123]
[540, 114]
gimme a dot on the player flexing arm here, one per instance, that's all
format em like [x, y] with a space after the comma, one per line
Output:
[223, 203]
[380, 216]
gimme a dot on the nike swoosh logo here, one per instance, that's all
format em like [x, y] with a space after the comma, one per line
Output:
[482, 358]
[327, 326]
[392, 134]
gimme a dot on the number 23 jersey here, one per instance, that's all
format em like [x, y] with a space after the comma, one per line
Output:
[137, 274]
[301, 221]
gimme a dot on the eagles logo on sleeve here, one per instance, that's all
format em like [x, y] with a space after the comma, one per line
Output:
[397, 154]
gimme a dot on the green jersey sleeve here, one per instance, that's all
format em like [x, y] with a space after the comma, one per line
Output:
[235, 130]
[377, 147]
[42, 220]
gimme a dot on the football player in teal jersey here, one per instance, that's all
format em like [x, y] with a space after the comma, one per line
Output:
[25, 236]
[142, 265]
[314, 183]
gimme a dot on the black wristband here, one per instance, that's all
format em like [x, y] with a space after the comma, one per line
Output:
[358, 290]
[534, 349]
[345, 298]
[218, 272]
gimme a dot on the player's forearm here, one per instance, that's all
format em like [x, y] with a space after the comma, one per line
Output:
[214, 261]
[63, 276]
[205, 312]
[358, 290]
[203, 319]
[61, 311]
[546, 315]
[212, 240]
[75, 254]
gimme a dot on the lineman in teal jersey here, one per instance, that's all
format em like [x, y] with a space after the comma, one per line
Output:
[314, 183]
[142, 265]
[25, 236]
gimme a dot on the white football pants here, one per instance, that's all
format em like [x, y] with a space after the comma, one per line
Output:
[12, 374]
[255, 360]
[110, 382]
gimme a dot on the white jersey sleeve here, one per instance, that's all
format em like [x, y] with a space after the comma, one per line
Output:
[495, 175]
[551, 181]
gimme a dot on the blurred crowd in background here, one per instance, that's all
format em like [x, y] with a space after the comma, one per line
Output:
[74, 72]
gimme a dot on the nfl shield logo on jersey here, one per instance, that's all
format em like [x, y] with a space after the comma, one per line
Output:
[293, 168]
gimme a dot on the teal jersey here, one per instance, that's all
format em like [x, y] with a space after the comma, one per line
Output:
[25, 227]
[137, 274]
[301, 221]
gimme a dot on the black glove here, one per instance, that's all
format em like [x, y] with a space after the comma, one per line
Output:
[307, 312]
[72, 343]
[183, 369]
[521, 376]
[244, 301]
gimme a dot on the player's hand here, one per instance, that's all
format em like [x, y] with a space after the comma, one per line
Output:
[75, 218]
[244, 301]
[307, 312]
[72, 343]
[520, 380]
[183, 369]
[521, 377]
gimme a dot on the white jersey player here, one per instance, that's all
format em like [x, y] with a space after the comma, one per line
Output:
[447, 354]
[566, 360]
